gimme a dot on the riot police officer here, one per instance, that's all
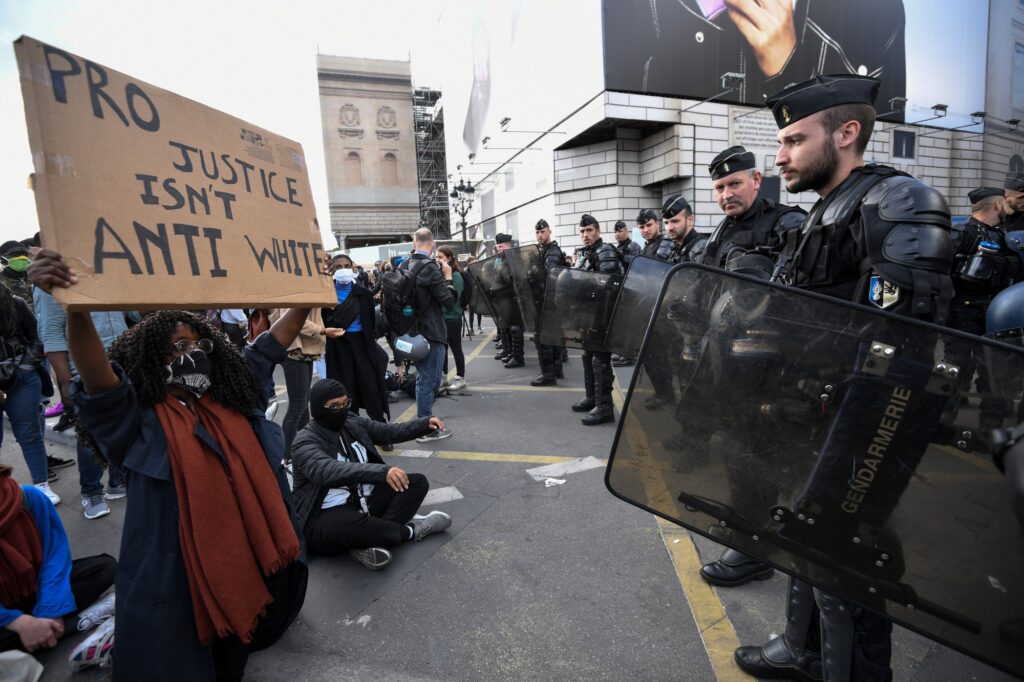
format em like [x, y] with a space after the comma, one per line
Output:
[549, 357]
[1014, 192]
[751, 225]
[650, 230]
[512, 339]
[626, 247]
[875, 236]
[596, 256]
[684, 243]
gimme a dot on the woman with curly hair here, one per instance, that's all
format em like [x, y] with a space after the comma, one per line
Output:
[212, 564]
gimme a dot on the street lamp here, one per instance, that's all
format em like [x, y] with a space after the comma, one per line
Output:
[462, 201]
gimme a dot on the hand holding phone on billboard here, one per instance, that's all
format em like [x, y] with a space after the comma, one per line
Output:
[768, 27]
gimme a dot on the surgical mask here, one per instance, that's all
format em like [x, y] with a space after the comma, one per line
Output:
[191, 372]
[344, 275]
[18, 263]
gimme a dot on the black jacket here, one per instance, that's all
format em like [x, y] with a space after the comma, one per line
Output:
[432, 296]
[551, 254]
[600, 257]
[628, 250]
[368, 337]
[760, 228]
[650, 249]
[316, 468]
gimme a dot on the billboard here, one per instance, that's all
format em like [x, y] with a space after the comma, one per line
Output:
[685, 48]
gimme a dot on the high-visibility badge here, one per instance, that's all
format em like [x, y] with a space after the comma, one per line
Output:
[882, 293]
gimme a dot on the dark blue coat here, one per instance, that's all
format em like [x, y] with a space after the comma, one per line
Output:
[155, 634]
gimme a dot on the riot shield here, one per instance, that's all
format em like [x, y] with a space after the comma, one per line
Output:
[577, 307]
[839, 443]
[633, 308]
[529, 277]
[494, 284]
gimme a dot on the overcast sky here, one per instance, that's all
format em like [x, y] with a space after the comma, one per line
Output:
[255, 60]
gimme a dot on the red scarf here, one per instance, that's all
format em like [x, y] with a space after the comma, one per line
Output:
[21, 550]
[233, 525]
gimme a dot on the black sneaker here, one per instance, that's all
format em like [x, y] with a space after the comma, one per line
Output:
[51, 476]
[57, 462]
[64, 423]
[544, 380]
[585, 405]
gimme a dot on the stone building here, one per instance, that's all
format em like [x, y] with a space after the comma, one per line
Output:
[366, 107]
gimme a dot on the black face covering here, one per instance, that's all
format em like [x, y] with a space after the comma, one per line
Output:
[191, 372]
[320, 393]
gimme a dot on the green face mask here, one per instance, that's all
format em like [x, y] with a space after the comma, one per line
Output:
[19, 263]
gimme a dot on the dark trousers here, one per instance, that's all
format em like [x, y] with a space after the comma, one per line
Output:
[339, 529]
[549, 357]
[350, 363]
[297, 377]
[288, 589]
[597, 378]
[90, 578]
[454, 328]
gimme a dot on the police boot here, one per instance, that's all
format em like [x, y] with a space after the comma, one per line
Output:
[735, 568]
[544, 380]
[585, 405]
[598, 415]
[788, 657]
[516, 343]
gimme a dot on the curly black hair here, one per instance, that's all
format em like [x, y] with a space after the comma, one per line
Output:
[142, 352]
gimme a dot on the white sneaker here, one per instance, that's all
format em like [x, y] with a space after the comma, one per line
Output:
[101, 611]
[94, 649]
[54, 497]
[457, 384]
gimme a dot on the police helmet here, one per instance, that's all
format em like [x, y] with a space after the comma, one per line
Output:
[412, 347]
[1005, 318]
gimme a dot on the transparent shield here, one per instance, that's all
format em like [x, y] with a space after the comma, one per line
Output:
[494, 286]
[577, 307]
[529, 277]
[635, 305]
[840, 444]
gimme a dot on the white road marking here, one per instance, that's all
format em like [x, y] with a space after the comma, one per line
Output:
[414, 453]
[563, 468]
[441, 495]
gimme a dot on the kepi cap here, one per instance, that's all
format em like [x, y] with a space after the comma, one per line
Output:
[541, 225]
[673, 206]
[731, 160]
[588, 219]
[801, 100]
[1015, 182]
[976, 195]
[502, 238]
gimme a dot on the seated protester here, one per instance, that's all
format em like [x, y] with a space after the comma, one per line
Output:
[340, 494]
[212, 564]
[39, 583]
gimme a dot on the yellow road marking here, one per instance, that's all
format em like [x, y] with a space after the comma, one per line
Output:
[546, 389]
[970, 458]
[499, 457]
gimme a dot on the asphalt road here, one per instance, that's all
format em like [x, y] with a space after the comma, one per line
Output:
[533, 581]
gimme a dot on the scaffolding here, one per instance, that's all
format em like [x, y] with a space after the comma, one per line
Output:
[431, 169]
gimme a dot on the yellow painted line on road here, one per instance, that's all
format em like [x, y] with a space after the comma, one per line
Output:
[502, 457]
[543, 389]
[970, 458]
[716, 630]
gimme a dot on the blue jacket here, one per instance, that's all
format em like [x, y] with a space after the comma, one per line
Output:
[54, 598]
[156, 630]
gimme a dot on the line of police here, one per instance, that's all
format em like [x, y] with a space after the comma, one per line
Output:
[876, 236]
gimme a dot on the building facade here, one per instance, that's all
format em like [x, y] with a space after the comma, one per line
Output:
[366, 106]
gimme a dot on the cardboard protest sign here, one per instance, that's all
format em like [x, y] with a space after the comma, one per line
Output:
[160, 202]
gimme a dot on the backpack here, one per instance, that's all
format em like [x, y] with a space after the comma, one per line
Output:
[467, 290]
[398, 298]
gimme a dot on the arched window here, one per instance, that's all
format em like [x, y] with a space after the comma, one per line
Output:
[389, 170]
[1016, 164]
[353, 168]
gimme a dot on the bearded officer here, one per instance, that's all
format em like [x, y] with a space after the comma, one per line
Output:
[751, 225]
[650, 229]
[596, 256]
[549, 357]
[1014, 192]
[684, 243]
[876, 236]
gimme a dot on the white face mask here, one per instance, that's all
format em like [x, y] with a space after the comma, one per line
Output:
[344, 275]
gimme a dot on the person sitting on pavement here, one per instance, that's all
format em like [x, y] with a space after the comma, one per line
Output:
[346, 497]
[213, 565]
[40, 585]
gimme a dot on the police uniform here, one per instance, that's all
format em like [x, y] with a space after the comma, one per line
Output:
[759, 230]
[597, 367]
[627, 248]
[512, 339]
[651, 246]
[693, 243]
[881, 238]
[549, 357]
